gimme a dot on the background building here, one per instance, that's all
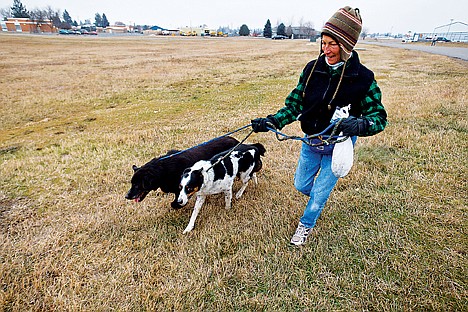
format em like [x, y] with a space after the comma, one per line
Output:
[27, 25]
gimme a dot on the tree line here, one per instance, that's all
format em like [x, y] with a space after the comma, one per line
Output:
[64, 20]
[281, 29]
[58, 19]
[306, 29]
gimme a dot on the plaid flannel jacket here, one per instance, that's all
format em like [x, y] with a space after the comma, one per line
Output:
[371, 105]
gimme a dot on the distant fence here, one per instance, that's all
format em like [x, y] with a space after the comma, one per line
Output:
[456, 36]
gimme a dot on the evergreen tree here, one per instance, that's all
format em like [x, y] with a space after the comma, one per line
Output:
[18, 10]
[244, 30]
[67, 18]
[281, 30]
[105, 22]
[267, 33]
[98, 20]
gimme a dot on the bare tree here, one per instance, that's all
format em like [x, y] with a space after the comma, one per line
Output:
[301, 25]
[38, 16]
[309, 29]
[289, 31]
[5, 13]
[364, 32]
[54, 16]
[48, 14]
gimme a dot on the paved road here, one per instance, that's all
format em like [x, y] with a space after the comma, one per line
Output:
[456, 52]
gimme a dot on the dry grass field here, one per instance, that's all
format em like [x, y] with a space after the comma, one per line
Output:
[77, 112]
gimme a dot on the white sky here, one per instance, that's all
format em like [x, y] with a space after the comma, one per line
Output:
[396, 16]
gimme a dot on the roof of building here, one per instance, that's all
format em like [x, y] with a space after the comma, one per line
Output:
[155, 27]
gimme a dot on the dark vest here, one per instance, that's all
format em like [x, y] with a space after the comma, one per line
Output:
[317, 109]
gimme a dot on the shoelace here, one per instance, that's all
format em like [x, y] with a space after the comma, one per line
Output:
[302, 231]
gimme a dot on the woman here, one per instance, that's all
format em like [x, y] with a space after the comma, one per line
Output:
[335, 79]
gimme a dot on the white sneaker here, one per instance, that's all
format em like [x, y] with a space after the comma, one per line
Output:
[300, 237]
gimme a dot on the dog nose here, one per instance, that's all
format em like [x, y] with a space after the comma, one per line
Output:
[175, 204]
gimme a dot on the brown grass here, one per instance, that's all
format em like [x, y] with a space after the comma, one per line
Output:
[77, 112]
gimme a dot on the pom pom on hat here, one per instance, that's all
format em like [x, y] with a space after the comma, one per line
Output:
[345, 26]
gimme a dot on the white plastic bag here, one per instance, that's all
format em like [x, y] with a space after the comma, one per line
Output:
[342, 158]
[343, 152]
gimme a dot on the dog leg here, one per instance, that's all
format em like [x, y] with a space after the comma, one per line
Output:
[228, 197]
[254, 177]
[245, 178]
[242, 189]
[196, 209]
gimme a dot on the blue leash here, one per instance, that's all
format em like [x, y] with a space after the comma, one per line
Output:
[323, 138]
[201, 144]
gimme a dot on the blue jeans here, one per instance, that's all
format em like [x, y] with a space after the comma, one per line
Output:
[315, 179]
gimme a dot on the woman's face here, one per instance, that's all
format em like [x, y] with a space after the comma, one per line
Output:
[331, 48]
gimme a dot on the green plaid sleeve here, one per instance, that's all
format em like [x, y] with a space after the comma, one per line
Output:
[373, 110]
[371, 106]
[293, 105]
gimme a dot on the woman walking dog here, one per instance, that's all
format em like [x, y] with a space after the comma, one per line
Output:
[335, 79]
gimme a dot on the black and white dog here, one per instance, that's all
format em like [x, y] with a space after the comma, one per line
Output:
[217, 176]
[165, 172]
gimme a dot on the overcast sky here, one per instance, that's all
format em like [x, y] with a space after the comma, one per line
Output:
[396, 16]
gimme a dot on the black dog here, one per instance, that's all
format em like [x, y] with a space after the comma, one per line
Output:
[165, 172]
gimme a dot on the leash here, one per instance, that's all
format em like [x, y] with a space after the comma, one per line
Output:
[220, 159]
[324, 139]
[201, 144]
[332, 138]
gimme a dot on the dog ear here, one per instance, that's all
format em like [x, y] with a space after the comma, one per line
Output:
[135, 168]
[260, 148]
[198, 174]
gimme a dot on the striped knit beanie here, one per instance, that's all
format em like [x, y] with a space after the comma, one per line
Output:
[345, 27]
